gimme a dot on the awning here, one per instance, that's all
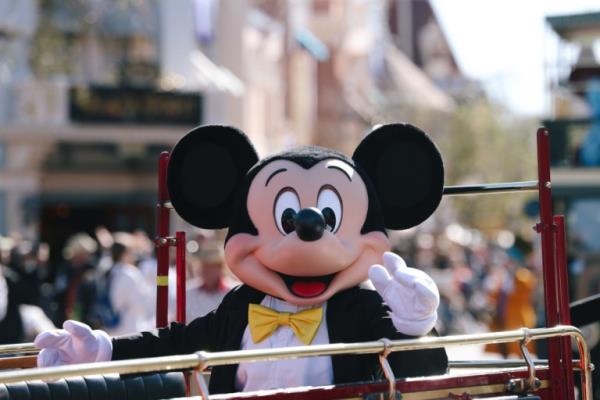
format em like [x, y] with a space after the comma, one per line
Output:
[211, 77]
[572, 25]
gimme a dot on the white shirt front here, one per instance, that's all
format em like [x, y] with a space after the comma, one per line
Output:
[306, 371]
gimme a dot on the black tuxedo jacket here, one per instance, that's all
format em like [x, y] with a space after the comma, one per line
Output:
[353, 315]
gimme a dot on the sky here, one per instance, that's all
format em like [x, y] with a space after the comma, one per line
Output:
[506, 44]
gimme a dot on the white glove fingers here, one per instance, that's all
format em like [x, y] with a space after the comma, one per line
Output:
[428, 297]
[414, 327]
[410, 293]
[105, 347]
[393, 261]
[380, 278]
[77, 329]
[406, 277]
[54, 338]
[48, 358]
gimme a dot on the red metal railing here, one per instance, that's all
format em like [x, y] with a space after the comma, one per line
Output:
[448, 387]
[162, 248]
[163, 242]
[181, 276]
[546, 229]
[562, 292]
[556, 288]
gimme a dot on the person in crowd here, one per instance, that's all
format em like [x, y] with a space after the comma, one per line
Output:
[104, 254]
[130, 295]
[29, 260]
[11, 323]
[75, 288]
[143, 248]
[19, 321]
[205, 293]
[513, 300]
[6, 246]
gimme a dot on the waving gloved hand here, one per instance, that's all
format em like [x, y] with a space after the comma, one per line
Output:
[76, 343]
[411, 295]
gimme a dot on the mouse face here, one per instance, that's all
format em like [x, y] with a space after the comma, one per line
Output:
[307, 223]
[309, 243]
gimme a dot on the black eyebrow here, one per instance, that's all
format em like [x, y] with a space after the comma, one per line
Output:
[273, 174]
[341, 169]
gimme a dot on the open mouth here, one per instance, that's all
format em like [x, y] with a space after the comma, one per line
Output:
[307, 286]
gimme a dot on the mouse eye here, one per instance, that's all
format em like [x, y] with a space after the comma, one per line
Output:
[331, 206]
[287, 204]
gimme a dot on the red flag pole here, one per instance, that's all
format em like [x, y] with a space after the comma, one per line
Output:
[564, 314]
[547, 228]
[162, 243]
[181, 281]
[181, 276]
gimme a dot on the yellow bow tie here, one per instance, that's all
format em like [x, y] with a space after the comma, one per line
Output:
[263, 322]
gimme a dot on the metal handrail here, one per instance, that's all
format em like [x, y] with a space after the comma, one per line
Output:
[202, 359]
[490, 188]
[10, 350]
[501, 363]
[19, 348]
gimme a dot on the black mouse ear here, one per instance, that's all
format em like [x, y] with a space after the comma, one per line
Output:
[205, 168]
[406, 170]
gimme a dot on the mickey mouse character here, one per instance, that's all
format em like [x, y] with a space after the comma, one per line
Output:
[306, 227]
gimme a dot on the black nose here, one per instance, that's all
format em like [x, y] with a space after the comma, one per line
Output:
[310, 224]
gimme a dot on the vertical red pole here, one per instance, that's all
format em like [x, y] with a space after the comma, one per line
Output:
[181, 276]
[162, 244]
[546, 228]
[564, 314]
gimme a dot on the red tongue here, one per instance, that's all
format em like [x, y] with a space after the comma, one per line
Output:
[308, 289]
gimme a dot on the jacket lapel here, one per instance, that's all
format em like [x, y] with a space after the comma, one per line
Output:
[223, 378]
[342, 327]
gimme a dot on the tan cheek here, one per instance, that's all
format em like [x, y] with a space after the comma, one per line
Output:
[239, 255]
[377, 242]
[373, 245]
[239, 247]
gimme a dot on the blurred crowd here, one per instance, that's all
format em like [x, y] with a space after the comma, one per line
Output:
[108, 281]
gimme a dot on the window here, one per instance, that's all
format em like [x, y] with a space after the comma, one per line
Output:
[3, 213]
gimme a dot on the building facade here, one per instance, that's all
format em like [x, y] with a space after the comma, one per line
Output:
[92, 91]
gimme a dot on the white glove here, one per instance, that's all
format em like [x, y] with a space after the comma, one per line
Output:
[76, 343]
[410, 293]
